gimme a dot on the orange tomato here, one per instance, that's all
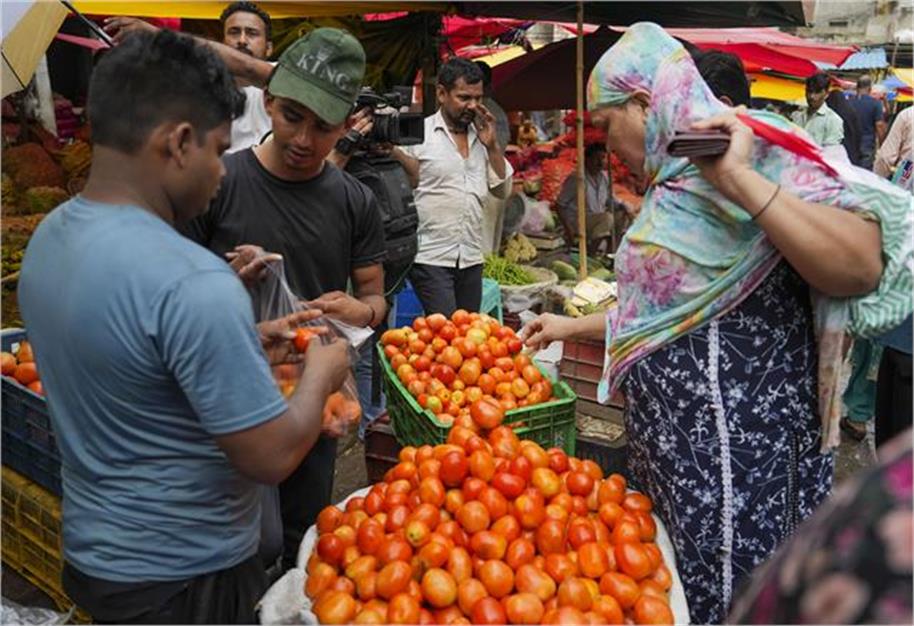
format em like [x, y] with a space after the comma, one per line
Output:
[25, 354]
[530, 509]
[335, 607]
[609, 609]
[637, 502]
[632, 559]
[7, 364]
[460, 565]
[469, 592]
[524, 608]
[454, 468]
[626, 531]
[473, 516]
[651, 610]
[37, 387]
[488, 545]
[520, 552]
[486, 414]
[550, 537]
[530, 579]
[26, 372]
[510, 485]
[393, 579]
[488, 611]
[320, 579]
[439, 588]
[573, 592]
[560, 567]
[495, 503]
[431, 490]
[508, 527]
[394, 549]
[621, 587]
[592, 560]
[579, 483]
[433, 554]
[330, 548]
[482, 465]
[497, 577]
[361, 565]
[403, 609]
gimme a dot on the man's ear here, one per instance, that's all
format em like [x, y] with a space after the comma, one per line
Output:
[441, 93]
[726, 100]
[178, 142]
[269, 49]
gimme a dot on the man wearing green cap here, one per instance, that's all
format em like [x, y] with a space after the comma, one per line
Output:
[284, 197]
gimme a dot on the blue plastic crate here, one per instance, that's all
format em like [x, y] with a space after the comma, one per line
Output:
[408, 307]
[29, 445]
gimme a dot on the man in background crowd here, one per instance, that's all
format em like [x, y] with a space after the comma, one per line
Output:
[824, 125]
[596, 187]
[247, 28]
[454, 170]
[870, 113]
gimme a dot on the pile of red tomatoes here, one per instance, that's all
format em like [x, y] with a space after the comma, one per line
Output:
[450, 365]
[491, 530]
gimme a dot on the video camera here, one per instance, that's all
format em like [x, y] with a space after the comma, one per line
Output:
[392, 126]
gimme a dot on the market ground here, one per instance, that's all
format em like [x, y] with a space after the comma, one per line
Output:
[351, 475]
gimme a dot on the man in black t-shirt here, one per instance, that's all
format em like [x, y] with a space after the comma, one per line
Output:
[284, 197]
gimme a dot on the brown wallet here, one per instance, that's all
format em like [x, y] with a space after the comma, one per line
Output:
[694, 143]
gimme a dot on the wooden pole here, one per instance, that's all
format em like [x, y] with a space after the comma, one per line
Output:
[579, 125]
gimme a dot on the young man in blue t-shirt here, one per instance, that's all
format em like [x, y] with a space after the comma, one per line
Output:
[160, 392]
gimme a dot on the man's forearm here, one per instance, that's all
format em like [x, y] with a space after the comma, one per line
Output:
[240, 65]
[378, 306]
[497, 160]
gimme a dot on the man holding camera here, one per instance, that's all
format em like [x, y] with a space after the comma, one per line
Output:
[453, 172]
[246, 28]
[284, 197]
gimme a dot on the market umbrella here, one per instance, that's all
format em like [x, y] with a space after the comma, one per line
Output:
[28, 26]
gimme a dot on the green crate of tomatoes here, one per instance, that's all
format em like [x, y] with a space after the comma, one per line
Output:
[433, 354]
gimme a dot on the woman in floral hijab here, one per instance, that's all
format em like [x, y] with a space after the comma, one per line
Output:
[737, 284]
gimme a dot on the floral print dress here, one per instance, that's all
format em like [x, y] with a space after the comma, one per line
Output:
[724, 435]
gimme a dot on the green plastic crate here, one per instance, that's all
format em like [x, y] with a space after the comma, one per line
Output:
[548, 424]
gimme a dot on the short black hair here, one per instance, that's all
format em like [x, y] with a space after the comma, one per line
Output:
[818, 82]
[865, 81]
[486, 72]
[724, 74]
[156, 77]
[248, 7]
[458, 68]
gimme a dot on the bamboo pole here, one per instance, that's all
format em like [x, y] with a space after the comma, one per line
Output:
[579, 125]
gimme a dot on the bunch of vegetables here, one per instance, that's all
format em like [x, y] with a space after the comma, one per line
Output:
[505, 272]
[20, 366]
[490, 531]
[467, 370]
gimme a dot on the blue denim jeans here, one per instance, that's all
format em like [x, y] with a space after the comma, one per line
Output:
[363, 381]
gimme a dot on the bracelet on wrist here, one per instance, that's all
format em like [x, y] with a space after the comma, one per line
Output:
[764, 208]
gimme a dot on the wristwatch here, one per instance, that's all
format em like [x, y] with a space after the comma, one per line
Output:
[349, 142]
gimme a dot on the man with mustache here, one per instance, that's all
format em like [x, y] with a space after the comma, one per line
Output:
[454, 170]
[246, 28]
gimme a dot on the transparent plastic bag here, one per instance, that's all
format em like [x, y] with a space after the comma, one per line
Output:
[273, 299]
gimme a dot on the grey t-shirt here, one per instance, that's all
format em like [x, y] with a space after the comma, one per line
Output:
[147, 350]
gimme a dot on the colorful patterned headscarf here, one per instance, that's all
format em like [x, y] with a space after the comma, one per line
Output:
[691, 255]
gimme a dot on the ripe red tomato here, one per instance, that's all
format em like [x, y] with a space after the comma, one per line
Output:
[486, 414]
[510, 485]
[454, 468]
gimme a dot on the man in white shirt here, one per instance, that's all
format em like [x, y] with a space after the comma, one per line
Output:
[824, 125]
[453, 171]
[247, 28]
[596, 185]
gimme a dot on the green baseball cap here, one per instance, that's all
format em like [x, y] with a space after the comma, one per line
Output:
[323, 71]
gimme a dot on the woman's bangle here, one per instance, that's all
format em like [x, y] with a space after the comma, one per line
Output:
[767, 204]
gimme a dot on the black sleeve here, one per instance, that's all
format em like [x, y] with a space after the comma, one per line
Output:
[368, 231]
